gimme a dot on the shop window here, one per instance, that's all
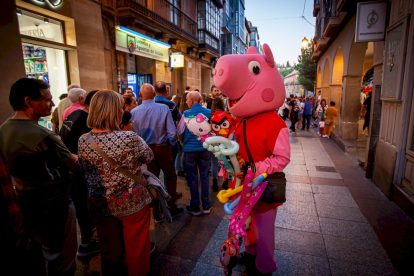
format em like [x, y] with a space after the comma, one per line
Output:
[43, 62]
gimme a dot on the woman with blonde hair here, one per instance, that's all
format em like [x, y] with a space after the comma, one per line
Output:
[119, 205]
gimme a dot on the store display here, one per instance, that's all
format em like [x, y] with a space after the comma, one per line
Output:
[35, 62]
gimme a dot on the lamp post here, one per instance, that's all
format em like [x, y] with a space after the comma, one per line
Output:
[304, 43]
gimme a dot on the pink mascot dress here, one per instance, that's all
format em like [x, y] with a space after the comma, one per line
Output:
[255, 90]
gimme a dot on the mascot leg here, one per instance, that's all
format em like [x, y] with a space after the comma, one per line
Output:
[260, 241]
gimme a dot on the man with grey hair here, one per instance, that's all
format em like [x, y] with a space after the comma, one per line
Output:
[154, 123]
[77, 97]
[65, 103]
[197, 157]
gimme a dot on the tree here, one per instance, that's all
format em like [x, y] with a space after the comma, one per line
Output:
[288, 64]
[306, 68]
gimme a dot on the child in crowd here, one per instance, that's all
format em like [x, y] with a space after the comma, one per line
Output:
[321, 126]
[126, 123]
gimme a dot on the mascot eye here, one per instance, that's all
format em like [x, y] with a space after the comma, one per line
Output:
[254, 67]
[200, 129]
[225, 124]
[216, 127]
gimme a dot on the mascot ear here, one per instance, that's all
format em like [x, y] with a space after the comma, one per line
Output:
[252, 50]
[199, 118]
[269, 56]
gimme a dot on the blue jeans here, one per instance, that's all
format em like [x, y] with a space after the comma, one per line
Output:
[198, 160]
[214, 166]
[179, 157]
[307, 119]
[320, 116]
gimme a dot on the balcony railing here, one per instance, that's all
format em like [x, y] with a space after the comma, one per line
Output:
[330, 10]
[166, 14]
[318, 31]
[225, 23]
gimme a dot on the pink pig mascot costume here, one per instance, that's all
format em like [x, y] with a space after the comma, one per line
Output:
[255, 90]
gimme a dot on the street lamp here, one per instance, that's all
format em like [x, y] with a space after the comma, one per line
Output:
[304, 43]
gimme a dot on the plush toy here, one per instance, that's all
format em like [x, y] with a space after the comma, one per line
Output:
[255, 90]
[222, 123]
[199, 126]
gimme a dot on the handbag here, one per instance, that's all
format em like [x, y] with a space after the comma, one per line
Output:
[275, 191]
[122, 170]
[328, 122]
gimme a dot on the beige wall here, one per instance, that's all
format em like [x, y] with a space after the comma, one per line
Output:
[11, 57]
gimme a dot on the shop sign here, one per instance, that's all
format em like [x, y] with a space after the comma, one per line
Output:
[177, 60]
[370, 21]
[138, 44]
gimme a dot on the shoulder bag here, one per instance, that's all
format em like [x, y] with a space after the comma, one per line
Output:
[122, 170]
[275, 191]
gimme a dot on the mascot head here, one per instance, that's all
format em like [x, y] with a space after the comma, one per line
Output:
[222, 124]
[251, 82]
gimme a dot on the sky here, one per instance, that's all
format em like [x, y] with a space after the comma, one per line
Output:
[284, 36]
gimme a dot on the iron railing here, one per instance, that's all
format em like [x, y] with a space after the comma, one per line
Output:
[318, 31]
[330, 10]
[166, 14]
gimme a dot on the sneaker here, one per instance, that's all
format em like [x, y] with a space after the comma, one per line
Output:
[153, 247]
[325, 136]
[176, 212]
[246, 258]
[91, 249]
[178, 195]
[194, 210]
[215, 186]
[158, 219]
[207, 210]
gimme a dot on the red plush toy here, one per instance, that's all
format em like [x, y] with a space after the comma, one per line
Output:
[222, 124]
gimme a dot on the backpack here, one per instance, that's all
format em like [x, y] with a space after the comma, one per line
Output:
[297, 106]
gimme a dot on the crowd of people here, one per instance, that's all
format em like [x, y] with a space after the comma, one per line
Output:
[300, 111]
[101, 165]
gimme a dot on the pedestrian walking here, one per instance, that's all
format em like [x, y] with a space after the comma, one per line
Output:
[154, 123]
[161, 94]
[321, 126]
[283, 110]
[119, 205]
[294, 108]
[197, 158]
[39, 163]
[367, 107]
[300, 114]
[320, 112]
[331, 112]
[307, 113]
[77, 97]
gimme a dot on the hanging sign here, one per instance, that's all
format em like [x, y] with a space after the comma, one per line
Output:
[138, 44]
[177, 60]
[370, 21]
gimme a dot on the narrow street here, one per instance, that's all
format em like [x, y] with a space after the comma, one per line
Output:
[334, 222]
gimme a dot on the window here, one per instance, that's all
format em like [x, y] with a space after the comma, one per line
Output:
[226, 44]
[209, 22]
[175, 14]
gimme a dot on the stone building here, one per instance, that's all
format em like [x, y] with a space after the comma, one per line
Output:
[341, 64]
[109, 44]
[292, 85]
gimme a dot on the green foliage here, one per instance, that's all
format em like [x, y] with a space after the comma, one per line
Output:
[306, 68]
[288, 64]
[285, 72]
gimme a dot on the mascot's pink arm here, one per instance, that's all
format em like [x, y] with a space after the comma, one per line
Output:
[280, 156]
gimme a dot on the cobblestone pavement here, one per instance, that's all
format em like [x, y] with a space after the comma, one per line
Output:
[334, 222]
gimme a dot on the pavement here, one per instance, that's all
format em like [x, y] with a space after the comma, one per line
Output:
[334, 222]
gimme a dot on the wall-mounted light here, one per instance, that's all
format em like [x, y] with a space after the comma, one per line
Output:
[304, 43]
[19, 12]
[46, 20]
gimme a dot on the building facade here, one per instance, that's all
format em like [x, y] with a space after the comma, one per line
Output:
[233, 28]
[341, 66]
[292, 85]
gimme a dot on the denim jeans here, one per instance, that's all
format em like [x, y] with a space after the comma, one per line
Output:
[307, 119]
[179, 157]
[198, 160]
[214, 166]
[318, 120]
